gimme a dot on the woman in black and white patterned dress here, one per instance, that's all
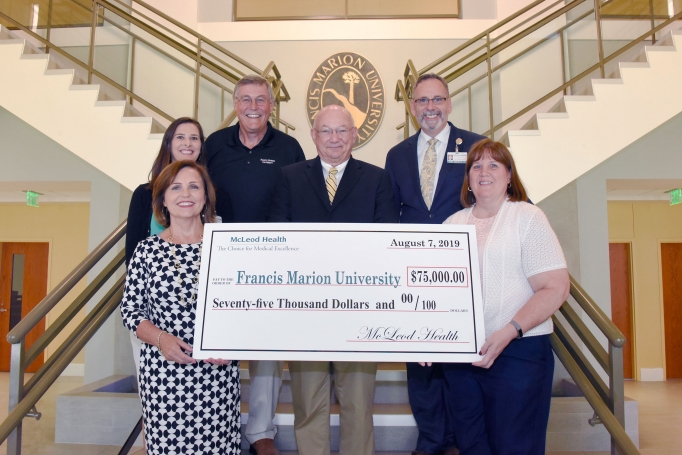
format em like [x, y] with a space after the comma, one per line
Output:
[189, 406]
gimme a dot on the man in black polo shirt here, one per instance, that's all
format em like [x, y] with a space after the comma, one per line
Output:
[244, 161]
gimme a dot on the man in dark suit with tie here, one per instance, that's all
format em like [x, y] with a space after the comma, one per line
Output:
[335, 188]
[427, 171]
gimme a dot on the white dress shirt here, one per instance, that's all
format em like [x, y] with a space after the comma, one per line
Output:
[441, 146]
[340, 168]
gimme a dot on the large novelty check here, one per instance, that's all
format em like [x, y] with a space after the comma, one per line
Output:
[353, 292]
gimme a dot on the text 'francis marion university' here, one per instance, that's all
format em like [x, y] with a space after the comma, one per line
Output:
[340, 278]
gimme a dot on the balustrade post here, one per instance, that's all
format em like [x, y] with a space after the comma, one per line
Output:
[488, 60]
[48, 26]
[653, 22]
[197, 81]
[600, 44]
[16, 393]
[617, 388]
[93, 28]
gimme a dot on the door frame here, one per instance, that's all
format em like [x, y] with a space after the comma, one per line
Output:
[47, 240]
[633, 308]
[660, 300]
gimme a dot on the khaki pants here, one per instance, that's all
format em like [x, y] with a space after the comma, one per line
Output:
[310, 389]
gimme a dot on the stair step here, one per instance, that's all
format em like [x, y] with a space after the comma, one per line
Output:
[136, 119]
[111, 103]
[384, 414]
[655, 48]
[634, 65]
[86, 87]
[579, 98]
[552, 115]
[44, 57]
[523, 133]
[10, 41]
[386, 371]
[390, 388]
[59, 72]
[394, 427]
[614, 81]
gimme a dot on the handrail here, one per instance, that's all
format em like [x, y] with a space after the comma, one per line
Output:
[614, 427]
[481, 35]
[607, 401]
[585, 335]
[40, 311]
[271, 67]
[204, 53]
[607, 327]
[39, 345]
[190, 31]
[492, 42]
[83, 334]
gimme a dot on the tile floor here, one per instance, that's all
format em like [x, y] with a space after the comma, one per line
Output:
[660, 421]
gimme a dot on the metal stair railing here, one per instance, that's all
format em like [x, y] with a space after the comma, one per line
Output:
[475, 65]
[608, 401]
[144, 27]
[23, 397]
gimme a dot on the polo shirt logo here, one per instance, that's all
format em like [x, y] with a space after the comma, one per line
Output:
[267, 161]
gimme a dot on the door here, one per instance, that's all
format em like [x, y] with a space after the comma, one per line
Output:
[23, 284]
[621, 299]
[671, 269]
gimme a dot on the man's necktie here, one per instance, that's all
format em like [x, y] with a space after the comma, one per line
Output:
[331, 184]
[428, 173]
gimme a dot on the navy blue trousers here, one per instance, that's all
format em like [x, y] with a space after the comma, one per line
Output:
[503, 410]
[429, 401]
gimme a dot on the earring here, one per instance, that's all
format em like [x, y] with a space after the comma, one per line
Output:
[469, 189]
[509, 185]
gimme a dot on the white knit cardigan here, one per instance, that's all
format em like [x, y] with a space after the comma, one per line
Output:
[521, 244]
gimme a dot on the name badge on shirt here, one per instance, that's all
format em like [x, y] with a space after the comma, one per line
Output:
[456, 157]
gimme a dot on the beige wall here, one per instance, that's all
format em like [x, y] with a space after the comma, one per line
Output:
[646, 224]
[65, 226]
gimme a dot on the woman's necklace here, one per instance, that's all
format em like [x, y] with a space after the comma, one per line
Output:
[177, 269]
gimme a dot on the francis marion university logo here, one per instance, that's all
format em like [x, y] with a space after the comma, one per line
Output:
[351, 81]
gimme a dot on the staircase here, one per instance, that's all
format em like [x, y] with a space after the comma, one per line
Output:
[394, 427]
[114, 119]
[396, 431]
[73, 115]
[561, 116]
[580, 132]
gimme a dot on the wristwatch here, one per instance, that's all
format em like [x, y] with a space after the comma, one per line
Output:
[518, 329]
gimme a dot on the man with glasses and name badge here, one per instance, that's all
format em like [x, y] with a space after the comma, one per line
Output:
[427, 171]
[244, 161]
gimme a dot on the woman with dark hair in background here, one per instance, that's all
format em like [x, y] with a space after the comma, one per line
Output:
[501, 403]
[183, 140]
[188, 406]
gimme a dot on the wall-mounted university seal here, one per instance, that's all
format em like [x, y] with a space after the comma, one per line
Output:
[351, 81]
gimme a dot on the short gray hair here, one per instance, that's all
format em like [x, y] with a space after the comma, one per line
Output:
[254, 79]
[427, 76]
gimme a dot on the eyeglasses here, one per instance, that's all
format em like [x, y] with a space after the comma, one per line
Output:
[327, 132]
[437, 100]
[247, 100]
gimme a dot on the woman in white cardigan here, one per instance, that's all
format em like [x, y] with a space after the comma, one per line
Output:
[501, 403]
